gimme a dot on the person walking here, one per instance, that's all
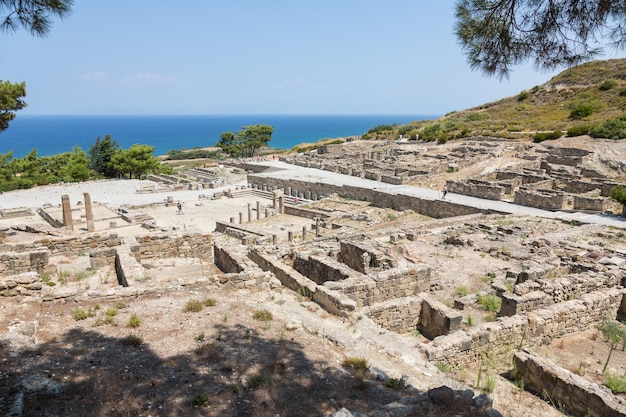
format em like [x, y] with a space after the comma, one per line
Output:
[444, 191]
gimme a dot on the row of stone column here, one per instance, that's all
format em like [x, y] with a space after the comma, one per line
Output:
[67, 212]
[292, 192]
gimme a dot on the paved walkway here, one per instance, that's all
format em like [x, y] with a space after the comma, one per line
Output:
[289, 171]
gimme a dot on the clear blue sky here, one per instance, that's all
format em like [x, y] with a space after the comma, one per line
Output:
[252, 57]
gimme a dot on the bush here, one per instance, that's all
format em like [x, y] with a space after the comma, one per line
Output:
[132, 340]
[581, 111]
[615, 382]
[541, 136]
[490, 302]
[607, 85]
[80, 314]
[578, 130]
[263, 315]
[134, 321]
[193, 306]
[357, 366]
[611, 129]
[523, 96]
[201, 399]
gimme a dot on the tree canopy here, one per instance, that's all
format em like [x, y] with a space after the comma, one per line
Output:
[11, 100]
[101, 153]
[246, 141]
[33, 15]
[498, 34]
[136, 161]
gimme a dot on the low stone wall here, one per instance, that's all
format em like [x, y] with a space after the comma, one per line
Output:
[437, 319]
[27, 284]
[575, 394]
[428, 207]
[14, 263]
[531, 330]
[360, 256]
[168, 246]
[398, 315]
[305, 212]
[544, 199]
[60, 246]
[227, 260]
[330, 300]
[320, 270]
[475, 188]
[600, 204]
[385, 285]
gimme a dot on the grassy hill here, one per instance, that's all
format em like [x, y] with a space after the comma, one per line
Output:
[580, 97]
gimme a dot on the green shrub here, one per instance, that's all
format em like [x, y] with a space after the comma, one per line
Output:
[611, 129]
[444, 367]
[193, 306]
[616, 383]
[490, 302]
[132, 340]
[523, 96]
[201, 399]
[461, 291]
[258, 381]
[578, 130]
[263, 315]
[395, 383]
[541, 136]
[357, 366]
[134, 321]
[581, 111]
[80, 314]
[607, 85]
[210, 302]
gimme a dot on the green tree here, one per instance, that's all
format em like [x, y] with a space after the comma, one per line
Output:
[136, 161]
[101, 153]
[10, 101]
[619, 194]
[247, 141]
[33, 15]
[499, 34]
[614, 334]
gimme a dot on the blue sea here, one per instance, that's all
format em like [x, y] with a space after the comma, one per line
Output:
[51, 135]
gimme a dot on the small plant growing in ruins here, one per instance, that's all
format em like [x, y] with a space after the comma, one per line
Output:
[200, 337]
[509, 286]
[80, 314]
[470, 320]
[120, 305]
[614, 334]
[132, 340]
[210, 302]
[201, 399]
[62, 277]
[134, 321]
[461, 291]
[444, 367]
[109, 316]
[46, 279]
[490, 384]
[614, 382]
[490, 302]
[395, 383]
[257, 381]
[263, 315]
[357, 366]
[505, 251]
[193, 306]
[208, 351]
[81, 275]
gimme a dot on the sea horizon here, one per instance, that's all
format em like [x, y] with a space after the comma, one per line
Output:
[54, 134]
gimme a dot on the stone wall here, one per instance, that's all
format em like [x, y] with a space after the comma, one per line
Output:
[227, 261]
[530, 330]
[428, 207]
[13, 263]
[378, 287]
[27, 284]
[600, 204]
[61, 246]
[575, 394]
[437, 319]
[398, 315]
[476, 188]
[537, 293]
[360, 256]
[173, 246]
[321, 270]
[544, 199]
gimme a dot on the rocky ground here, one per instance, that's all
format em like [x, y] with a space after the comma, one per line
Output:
[262, 351]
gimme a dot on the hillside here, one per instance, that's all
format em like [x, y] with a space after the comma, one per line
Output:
[597, 87]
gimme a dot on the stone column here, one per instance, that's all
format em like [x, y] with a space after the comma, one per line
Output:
[89, 213]
[240, 217]
[281, 204]
[67, 212]
[249, 213]
[289, 236]
[258, 210]
[317, 226]
[274, 239]
[303, 232]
